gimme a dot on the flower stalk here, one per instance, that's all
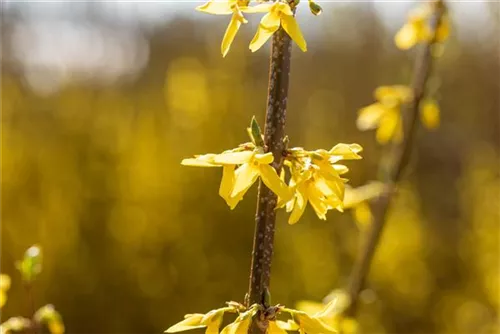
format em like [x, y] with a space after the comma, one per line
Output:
[396, 161]
[274, 134]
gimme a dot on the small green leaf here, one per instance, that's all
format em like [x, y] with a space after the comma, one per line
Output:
[256, 133]
[31, 264]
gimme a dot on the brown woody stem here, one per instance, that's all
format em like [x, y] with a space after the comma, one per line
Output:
[398, 157]
[274, 132]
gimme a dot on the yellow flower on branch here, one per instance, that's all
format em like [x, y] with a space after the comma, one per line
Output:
[241, 167]
[227, 7]
[315, 177]
[330, 311]
[385, 115]
[278, 14]
[211, 320]
[418, 29]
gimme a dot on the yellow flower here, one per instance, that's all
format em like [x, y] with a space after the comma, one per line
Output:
[227, 7]
[304, 323]
[14, 325]
[386, 113]
[357, 199]
[417, 29]
[212, 321]
[429, 113]
[241, 324]
[315, 176]
[330, 312]
[278, 14]
[49, 316]
[4, 286]
[241, 168]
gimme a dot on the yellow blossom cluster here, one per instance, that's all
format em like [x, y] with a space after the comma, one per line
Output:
[418, 29]
[385, 114]
[303, 322]
[314, 176]
[279, 13]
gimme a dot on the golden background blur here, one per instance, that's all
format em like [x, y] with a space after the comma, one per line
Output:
[97, 114]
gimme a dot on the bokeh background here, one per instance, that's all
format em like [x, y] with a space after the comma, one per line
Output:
[102, 100]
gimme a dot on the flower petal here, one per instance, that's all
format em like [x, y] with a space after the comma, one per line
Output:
[299, 204]
[234, 158]
[369, 117]
[388, 126]
[315, 198]
[191, 321]
[231, 31]
[274, 183]
[406, 37]
[206, 160]
[216, 7]
[246, 175]
[227, 182]
[261, 8]
[266, 158]
[267, 27]
[275, 329]
[293, 30]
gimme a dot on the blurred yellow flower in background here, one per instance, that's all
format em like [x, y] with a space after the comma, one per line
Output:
[357, 199]
[278, 14]
[229, 7]
[429, 113]
[385, 115]
[14, 325]
[4, 286]
[418, 30]
[51, 318]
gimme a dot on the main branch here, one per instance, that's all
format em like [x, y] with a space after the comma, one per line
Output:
[265, 217]
[397, 160]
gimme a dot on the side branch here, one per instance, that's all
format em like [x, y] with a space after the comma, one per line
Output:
[398, 157]
[265, 217]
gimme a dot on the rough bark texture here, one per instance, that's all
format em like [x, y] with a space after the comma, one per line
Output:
[274, 132]
[390, 174]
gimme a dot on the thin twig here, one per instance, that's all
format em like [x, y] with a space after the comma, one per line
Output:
[390, 173]
[274, 132]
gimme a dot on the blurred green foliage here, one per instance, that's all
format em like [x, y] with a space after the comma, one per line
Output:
[132, 241]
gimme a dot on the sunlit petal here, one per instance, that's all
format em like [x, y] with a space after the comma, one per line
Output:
[266, 158]
[231, 31]
[216, 7]
[293, 30]
[234, 158]
[267, 27]
[388, 126]
[274, 183]
[369, 117]
[246, 175]
[406, 37]
[227, 182]
[190, 322]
